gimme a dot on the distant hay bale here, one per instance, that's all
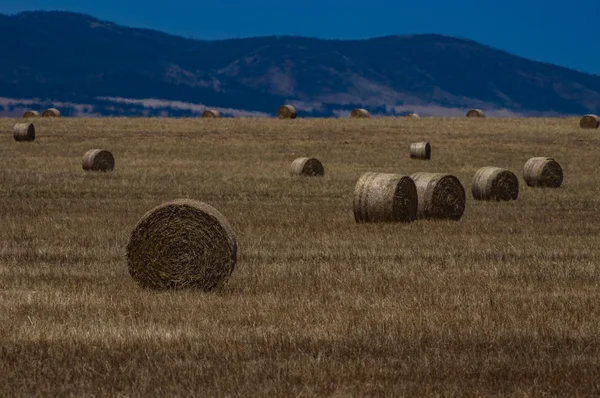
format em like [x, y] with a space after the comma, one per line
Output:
[494, 183]
[51, 112]
[360, 113]
[98, 160]
[589, 122]
[412, 116]
[475, 113]
[182, 244]
[383, 197]
[24, 132]
[420, 150]
[543, 172]
[31, 113]
[286, 112]
[307, 167]
[211, 114]
[441, 196]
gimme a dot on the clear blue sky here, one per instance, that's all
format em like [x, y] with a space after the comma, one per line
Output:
[562, 32]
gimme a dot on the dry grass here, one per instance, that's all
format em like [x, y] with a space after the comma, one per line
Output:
[505, 301]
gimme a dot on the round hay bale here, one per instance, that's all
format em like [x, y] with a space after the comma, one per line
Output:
[494, 183]
[383, 197]
[51, 112]
[24, 132]
[360, 113]
[441, 196]
[412, 116]
[307, 167]
[30, 113]
[182, 244]
[420, 150]
[98, 160]
[475, 113]
[211, 114]
[286, 112]
[589, 122]
[543, 172]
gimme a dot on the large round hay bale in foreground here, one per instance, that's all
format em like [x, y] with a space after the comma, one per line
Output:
[420, 150]
[211, 114]
[98, 160]
[589, 122]
[307, 167]
[441, 196]
[360, 113]
[51, 112]
[475, 113]
[182, 244]
[24, 132]
[412, 116]
[286, 112]
[384, 197]
[30, 113]
[494, 183]
[543, 172]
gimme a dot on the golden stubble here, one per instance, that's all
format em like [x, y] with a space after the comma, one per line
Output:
[504, 301]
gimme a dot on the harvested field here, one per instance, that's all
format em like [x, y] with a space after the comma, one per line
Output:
[505, 301]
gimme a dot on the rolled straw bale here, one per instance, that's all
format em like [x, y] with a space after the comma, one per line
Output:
[412, 116]
[286, 112]
[475, 113]
[420, 150]
[24, 132]
[360, 113]
[182, 244]
[307, 167]
[441, 196]
[51, 112]
[211, 113]
[543, 172]
[589, 122]
[494, 183]
[98, 160]
[31, 113]
[384, 197]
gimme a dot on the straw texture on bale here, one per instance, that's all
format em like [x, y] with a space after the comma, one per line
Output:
[211, 113]
[543, 172]
[494, 183]
[286, 112]
[384, 197]
[182, 244]
[420, 150]
[51, 112]
[475, 113]
[412, 116]
[441, 196]
[24, 132]
[589, 122]
[30, 113]
[307, 167]
[360, 113]
[98, 160]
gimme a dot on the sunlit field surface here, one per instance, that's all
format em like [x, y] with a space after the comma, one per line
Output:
[504, 301]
